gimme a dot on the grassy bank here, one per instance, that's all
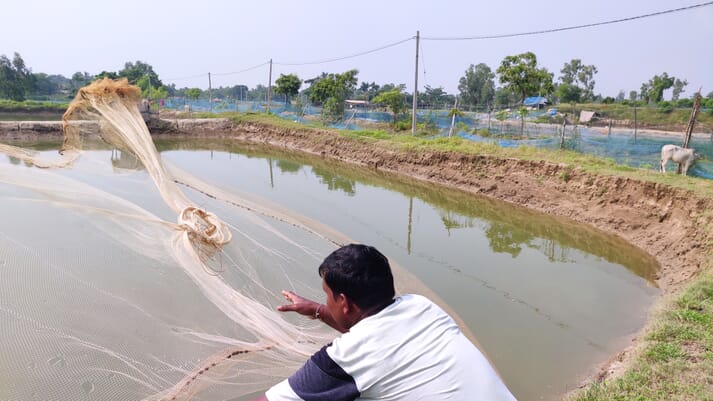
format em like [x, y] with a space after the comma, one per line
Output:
[30, 106]
[653, 117]
[405, 141]
[675, 361]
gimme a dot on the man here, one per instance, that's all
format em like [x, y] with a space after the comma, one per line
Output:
[403, 348]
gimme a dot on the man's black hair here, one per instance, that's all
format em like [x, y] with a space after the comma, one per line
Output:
[361, 273]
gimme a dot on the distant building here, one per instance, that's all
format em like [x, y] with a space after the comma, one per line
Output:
[587, 116]
[356, 103]
[536, 102]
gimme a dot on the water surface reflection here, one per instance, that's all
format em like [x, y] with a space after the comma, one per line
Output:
[548, 299]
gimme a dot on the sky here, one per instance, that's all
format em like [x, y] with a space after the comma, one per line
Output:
[234, 40]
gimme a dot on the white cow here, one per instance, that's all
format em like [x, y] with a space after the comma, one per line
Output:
[683, 156]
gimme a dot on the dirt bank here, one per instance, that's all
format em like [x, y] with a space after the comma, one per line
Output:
[673, 225]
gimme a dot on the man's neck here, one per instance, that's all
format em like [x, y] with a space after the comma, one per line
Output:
[364, 313]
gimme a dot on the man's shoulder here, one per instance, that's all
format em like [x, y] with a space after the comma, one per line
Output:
[417, 302]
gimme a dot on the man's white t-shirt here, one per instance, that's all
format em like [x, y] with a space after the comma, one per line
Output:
[411, 350]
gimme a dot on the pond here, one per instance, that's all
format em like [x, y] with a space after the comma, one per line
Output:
[547, 300]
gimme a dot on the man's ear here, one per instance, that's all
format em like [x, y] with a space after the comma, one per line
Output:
[345, 304]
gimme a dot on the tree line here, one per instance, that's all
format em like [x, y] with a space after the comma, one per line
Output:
[519, 76]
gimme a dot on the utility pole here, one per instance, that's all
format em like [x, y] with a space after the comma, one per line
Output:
[269, 88]
[453, 118]
[210, 94]
[635, 122]
[415, 89]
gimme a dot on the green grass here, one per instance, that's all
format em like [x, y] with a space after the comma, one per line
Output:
[405, 141]
[649, 116]
[676, 362]
[11, 106]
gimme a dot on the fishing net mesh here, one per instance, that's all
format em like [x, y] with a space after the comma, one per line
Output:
[114, 287]
[149, 283]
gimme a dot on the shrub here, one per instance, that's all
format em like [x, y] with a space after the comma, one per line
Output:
[665, 106]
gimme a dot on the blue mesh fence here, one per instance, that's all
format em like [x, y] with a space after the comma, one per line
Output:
[642, 151]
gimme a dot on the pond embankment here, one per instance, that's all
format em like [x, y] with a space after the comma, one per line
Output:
[674, 225]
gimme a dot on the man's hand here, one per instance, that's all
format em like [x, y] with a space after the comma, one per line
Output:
[298, 304]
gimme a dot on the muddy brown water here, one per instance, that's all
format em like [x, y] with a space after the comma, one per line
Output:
[547, 299]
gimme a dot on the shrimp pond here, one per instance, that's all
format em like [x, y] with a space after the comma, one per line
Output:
[548, 300]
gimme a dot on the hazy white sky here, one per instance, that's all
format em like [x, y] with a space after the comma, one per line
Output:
[184, 40]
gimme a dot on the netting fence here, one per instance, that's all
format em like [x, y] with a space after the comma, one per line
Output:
[629, 146]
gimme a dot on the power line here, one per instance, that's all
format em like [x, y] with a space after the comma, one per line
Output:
[351, 56]
[184, 78]
[569, 28]
[454, 38]
[217, 73]
[241, 71]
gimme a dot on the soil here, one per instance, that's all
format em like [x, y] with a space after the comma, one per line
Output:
[673, 225]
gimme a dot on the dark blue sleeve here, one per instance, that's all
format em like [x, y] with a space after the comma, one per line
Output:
[321, 379]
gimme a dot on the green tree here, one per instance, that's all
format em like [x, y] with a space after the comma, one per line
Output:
[106, 74]
[678, 88]
[288, 85]
[477, 86]
[568, 93]
[435, 98]
[620, 96]
[521, 76]
[80, 80]
[134, 71]
[15, 78]
[393, 100]
[580, 75]
[501, 116]
[193, 93]
[258, 93]
[504, 98]
[331, 91]
[367, 90]
[43, 85]
[652, 91]
[523, 113]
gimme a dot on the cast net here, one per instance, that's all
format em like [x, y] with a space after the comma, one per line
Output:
[117, 287]
[146, 282]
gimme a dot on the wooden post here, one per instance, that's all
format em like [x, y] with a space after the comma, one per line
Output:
[453, 118]
[692, 120]
[415, 90]
[490, 112]
[210, 94]
[564, 125]
[609, 133]
[269, 88]
[635, 122]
